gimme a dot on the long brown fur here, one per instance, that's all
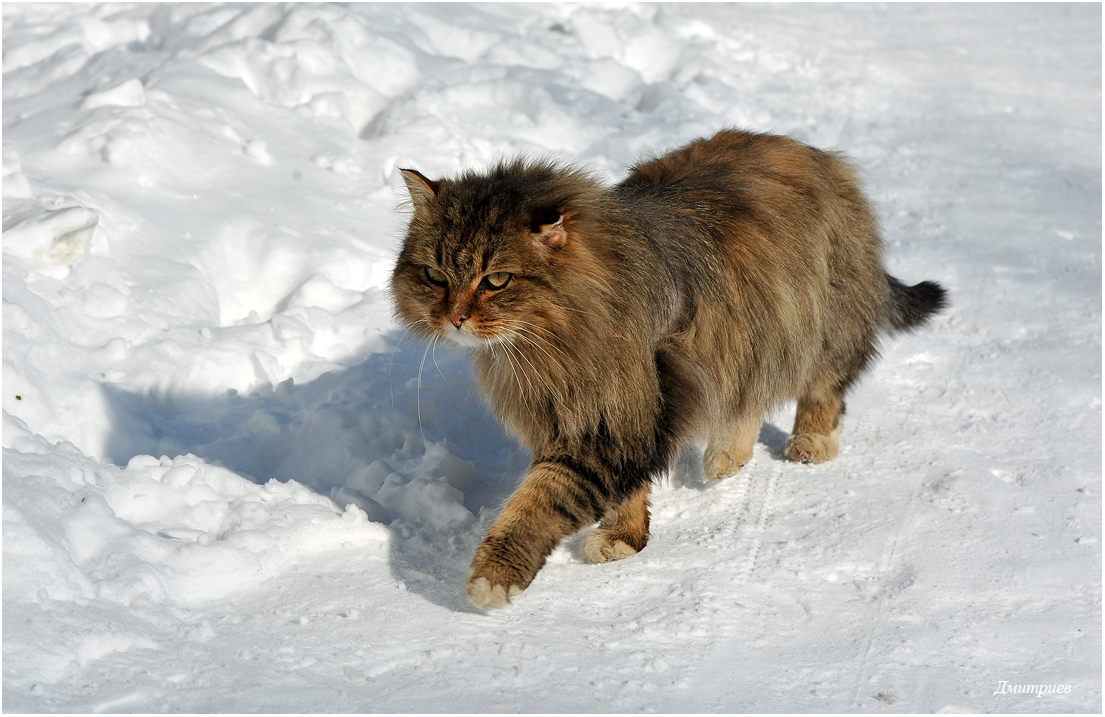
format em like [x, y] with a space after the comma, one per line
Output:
[709, 286]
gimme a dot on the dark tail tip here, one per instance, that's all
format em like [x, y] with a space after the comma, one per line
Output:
[914, 305]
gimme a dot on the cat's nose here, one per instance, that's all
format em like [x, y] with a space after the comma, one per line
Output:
[457, 319]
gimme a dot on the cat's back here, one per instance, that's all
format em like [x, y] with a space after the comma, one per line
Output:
[757, 168]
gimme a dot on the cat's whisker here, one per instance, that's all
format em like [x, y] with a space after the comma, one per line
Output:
[537, 373]
[541, 343]
[433, 352]
[547, 334]
[525, 374]
[391, 362]
[418, 392]
[521, 391]
[531, 339]
[537, 327]
[512, 348]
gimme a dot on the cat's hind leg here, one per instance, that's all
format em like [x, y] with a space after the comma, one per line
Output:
[622, 532]
[816, 434]
[730, 447]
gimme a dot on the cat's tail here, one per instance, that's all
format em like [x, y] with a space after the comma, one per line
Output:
[912, 306]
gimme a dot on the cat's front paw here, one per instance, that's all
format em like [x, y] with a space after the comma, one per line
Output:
[484, 594]
[811, 448]
[492, 581]
[599, 546]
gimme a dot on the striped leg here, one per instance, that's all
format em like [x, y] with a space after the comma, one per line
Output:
[556, 499]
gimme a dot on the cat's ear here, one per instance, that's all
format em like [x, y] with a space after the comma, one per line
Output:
[549, 227]
[422, 190]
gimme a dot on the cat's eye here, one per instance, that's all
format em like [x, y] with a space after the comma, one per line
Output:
[498, 280]
[436, 276]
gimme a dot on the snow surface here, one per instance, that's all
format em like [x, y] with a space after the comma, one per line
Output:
[229, 483]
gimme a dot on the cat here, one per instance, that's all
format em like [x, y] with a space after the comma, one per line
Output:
[612, 325]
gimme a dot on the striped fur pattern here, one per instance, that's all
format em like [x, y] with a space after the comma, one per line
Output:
[612, 325]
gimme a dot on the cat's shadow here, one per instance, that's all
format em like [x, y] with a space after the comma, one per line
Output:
[402, 433]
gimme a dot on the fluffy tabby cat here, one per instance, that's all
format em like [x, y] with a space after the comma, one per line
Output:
[611, 325]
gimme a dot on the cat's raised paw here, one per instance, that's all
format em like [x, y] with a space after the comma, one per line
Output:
[599, 546]
[493, 578]
[811, 448]
[484, 595]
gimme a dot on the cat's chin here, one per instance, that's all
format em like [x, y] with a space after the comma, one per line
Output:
[463, 338]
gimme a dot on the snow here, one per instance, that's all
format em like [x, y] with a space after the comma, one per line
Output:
[231, 484]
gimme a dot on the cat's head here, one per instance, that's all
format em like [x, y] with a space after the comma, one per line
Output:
[490, 257]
